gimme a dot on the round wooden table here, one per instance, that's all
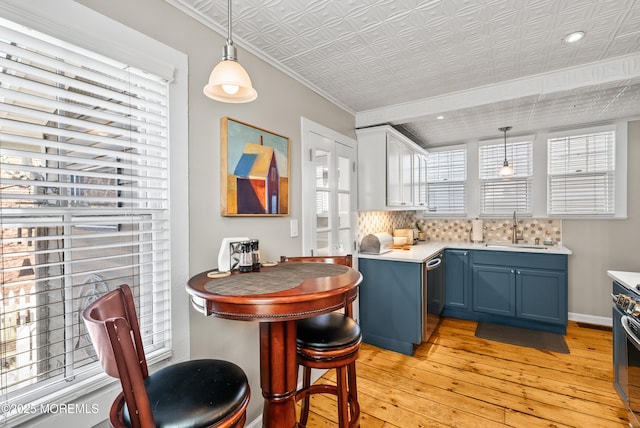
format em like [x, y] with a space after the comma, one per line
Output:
[276, 297]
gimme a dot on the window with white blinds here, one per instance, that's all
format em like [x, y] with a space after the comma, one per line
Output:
[84, 206]
[581, 174]
[446, 181]
[501, 196]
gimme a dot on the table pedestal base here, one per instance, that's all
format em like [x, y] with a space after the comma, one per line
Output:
[278, 373]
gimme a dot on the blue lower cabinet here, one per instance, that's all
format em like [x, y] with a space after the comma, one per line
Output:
[494, 290]
[542, 295]
[390, 302]
[527, 290]
[457, 282]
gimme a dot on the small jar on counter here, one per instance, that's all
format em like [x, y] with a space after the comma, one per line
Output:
[255, 254]
[246, 257]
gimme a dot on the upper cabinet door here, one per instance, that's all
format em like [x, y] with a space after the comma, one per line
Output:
[399, 173]
[420, 181]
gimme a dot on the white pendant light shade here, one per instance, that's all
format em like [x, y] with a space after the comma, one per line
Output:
[230, 83]
[506, 171]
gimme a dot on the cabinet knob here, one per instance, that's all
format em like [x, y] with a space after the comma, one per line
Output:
[513, 271]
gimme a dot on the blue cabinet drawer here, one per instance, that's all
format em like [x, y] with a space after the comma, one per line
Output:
[525, 260]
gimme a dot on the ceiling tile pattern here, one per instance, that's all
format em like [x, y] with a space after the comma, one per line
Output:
[369, 54]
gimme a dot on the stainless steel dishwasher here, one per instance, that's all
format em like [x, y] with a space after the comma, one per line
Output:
[432, 294]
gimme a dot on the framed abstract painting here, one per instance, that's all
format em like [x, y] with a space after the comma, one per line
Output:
[255, 167]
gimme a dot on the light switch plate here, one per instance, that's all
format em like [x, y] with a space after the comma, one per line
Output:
[293, 225]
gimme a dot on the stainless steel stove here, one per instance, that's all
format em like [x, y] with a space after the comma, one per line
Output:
[626, 349]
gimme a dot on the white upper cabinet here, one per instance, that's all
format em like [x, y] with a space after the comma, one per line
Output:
[389, 170]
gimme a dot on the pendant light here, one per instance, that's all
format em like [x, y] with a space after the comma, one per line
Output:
[506, 170]
[229, 82]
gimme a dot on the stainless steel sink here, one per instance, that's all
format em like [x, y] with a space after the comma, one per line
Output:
[509, 245]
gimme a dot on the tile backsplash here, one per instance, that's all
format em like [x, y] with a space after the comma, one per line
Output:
[383, 221]
[459, 230]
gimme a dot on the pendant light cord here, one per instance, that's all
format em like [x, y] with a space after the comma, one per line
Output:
[505, 129]
[229, 22]
[505, 144]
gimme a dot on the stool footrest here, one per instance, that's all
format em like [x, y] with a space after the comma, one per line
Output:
[354, 406]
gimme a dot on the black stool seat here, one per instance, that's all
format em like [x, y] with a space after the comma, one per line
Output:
[327, 331]
[197, 393]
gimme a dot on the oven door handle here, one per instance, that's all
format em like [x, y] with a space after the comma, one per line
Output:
[630, 334]
[433, 263]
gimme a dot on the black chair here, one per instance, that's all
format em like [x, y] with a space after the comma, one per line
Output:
[197, 393]
[329, 341]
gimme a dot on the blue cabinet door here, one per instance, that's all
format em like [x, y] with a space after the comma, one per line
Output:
[494, 290]
[542, 295]
[457, 290]
[391, 304]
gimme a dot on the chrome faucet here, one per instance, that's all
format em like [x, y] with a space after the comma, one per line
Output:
[517, 235]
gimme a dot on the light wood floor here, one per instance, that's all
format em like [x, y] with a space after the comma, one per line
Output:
[459, 380]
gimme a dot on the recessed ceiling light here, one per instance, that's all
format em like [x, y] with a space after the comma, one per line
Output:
[440, 117]
[573, 37]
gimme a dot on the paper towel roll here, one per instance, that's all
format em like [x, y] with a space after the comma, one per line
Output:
[476, 231]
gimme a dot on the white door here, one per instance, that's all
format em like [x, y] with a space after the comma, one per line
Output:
[329, 191]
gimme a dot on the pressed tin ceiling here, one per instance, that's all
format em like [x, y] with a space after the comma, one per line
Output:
[481, 64]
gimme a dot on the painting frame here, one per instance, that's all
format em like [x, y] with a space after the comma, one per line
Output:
[254, 181]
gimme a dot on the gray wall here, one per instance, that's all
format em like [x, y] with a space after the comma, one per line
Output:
[281, 101]
[601, 245]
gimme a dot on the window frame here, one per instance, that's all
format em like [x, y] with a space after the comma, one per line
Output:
[613, 174]
[460, 182]
[526, 180]
[121, 43]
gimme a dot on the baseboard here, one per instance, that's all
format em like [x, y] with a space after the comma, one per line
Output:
[256, 423]
[591, 319]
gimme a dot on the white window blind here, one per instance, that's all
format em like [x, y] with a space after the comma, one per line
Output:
[581, 174]
[84, 206]
[501, 196]
[446, 181]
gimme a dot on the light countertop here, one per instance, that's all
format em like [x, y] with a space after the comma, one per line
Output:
[630, 280]
[424, 250]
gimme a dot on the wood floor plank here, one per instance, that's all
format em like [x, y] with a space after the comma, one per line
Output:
[593, 376]
[458, 380]
[494, 391]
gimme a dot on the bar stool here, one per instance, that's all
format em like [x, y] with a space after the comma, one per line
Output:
[211, 393]
[329, 341]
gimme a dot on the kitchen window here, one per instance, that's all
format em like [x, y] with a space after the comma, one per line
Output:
[501, 196]
[84, 145]
[446, 182]
[581, 174]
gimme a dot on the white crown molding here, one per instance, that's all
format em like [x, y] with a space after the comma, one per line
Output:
[597, 73]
